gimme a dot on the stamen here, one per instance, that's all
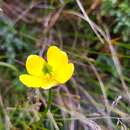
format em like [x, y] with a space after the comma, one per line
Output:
[47, 69]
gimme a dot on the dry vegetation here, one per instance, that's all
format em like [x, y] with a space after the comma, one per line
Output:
[95, 34]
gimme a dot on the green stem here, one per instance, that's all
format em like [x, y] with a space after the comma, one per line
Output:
[49, 101]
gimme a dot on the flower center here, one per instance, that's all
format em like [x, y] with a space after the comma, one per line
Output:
[47, 69]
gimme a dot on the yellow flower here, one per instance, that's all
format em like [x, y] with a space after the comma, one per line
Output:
[48, 74]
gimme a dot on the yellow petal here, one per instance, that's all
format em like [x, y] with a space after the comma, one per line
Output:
[31, 81]
[37, 82]
[56, 57]
[34, 65]
[65, 73]
[50, 84]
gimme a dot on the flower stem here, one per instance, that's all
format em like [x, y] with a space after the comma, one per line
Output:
[49, 101]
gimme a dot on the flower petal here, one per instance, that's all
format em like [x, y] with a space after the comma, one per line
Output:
[37, 82]
[50, 84]
[56, 57]
[31, 81]
[34, 65]
[65, 73]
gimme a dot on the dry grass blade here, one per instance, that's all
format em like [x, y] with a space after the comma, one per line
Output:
[91, 124]
[106, 37]
[118, 66]
[110, 124]
[50, 116]
[7, 122]
[89, 21]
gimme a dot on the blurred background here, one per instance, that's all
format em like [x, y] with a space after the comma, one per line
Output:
[96, 36]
